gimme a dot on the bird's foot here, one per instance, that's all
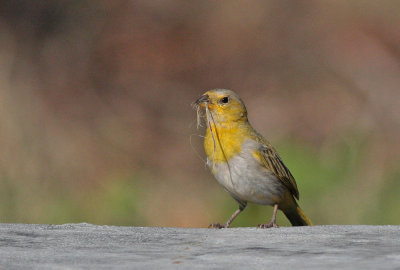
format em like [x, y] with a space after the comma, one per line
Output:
[268, 225]
[217, 226]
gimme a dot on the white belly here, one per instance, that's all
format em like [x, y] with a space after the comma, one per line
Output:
[246, 179]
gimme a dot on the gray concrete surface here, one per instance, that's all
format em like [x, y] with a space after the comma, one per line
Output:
[85, 246]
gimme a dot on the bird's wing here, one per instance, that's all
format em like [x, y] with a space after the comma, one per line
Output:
[273, 162]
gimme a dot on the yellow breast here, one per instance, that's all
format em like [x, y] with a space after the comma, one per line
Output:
[222, 142]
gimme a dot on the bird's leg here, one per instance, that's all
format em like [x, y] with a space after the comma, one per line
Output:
[272, 223]
[228, 223]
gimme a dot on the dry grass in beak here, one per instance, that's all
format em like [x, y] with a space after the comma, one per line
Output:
[209, 119]
[198, 114]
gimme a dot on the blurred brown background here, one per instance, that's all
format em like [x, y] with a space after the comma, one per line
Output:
[95, 116]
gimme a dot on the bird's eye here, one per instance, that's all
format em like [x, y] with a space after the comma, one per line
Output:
[224, 100]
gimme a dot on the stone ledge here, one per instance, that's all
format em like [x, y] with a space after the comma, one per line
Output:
[77, 246]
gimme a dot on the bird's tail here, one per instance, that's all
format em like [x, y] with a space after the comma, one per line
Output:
[297, 217]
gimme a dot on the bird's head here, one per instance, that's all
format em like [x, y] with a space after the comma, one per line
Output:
[223, 106]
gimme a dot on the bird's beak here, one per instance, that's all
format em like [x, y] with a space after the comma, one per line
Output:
[201, 101]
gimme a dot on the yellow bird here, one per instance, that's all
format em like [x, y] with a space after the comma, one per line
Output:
[244, 162]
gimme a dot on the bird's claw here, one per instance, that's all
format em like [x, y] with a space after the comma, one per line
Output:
[268, 225]
[217, 226]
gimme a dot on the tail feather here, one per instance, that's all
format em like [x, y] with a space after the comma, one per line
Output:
[297, 217]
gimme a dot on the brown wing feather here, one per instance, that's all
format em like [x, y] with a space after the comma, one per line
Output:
[273, 162]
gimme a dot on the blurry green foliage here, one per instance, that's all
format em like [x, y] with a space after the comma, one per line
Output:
[327, 180]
